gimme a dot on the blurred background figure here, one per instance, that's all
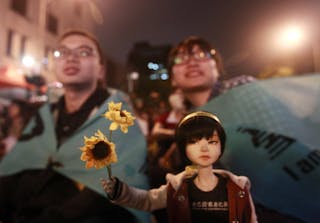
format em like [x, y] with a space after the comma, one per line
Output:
[163, 130]
[162, 155]
[13, 119]
[41, 188]
[163, 136]
[20, 96]
[141, 115]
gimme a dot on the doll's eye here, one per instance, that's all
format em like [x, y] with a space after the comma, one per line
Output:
[193, 141]
[213, 142]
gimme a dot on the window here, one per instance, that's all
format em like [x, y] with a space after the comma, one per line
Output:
[13, 44]
[23, 42]
[9, 42]
[52, 24]
[19, 6]
[45, 62]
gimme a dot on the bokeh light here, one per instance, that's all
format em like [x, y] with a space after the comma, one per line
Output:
[28, 61]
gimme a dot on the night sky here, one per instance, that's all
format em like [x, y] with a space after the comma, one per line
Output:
[242, 30]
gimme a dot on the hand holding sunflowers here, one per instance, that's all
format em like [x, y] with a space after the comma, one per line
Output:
[99, 151]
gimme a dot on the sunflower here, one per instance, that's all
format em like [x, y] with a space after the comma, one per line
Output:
[98, 151]
[119, 117]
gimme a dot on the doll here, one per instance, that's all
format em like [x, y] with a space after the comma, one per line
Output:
[200, 193]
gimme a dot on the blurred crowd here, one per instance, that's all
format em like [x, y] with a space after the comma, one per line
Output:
[197, 76]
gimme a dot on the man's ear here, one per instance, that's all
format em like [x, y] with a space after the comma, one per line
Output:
[103, 71]
[173, 82]
[103, 75]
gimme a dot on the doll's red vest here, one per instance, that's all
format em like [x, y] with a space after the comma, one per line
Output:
[179, 210]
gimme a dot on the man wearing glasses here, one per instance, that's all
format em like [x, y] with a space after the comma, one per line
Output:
[197, 69]
[43, 189]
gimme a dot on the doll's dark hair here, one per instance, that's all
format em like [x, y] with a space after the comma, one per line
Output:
[197, 125]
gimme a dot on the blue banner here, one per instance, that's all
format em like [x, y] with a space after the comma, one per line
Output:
[273, 138]
[36, 152]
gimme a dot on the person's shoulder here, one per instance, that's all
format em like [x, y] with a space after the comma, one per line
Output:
[120, 94]
[113, 91]
[163, 117]
[240, 181]
[237, 81]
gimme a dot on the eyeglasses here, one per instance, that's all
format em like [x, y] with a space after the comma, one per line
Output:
[183, 58]
[80, 52]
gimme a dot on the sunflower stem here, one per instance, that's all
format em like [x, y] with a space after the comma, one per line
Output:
[109, 171]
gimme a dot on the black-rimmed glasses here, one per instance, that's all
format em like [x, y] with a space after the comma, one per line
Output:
[79, 52]
[183, 58]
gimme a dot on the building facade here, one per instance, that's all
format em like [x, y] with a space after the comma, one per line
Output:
[31, 28]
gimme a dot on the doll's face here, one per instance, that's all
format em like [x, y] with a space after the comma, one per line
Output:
[204, 152]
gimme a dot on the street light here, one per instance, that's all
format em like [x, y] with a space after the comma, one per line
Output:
[28, 61]
[291, 37]
[292, 47]
[131, 78]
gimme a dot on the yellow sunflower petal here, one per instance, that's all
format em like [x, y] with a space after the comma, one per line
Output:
[100, 135]
[99, 165]
[84, 157]
[113, 126]
[89, 164]
[115, 106]
[83, 149]
[124, 128]
[111, 105]
[113, 159]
